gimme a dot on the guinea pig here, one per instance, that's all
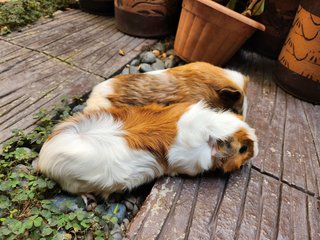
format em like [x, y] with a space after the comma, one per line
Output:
[111, 150]
[218, 87]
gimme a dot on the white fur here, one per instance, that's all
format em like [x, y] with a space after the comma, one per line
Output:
[92, 154]
[245, 107]
[235, 77]
[156, 72]
[195, 128]
[98, 97]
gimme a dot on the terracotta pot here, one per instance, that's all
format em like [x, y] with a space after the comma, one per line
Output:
[101, 7]
[210, 32]
[277, 17]
[298, 70]
[145, 18]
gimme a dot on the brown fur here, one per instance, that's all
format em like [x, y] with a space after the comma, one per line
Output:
[152, 128]
[230, 149]
[189, 83]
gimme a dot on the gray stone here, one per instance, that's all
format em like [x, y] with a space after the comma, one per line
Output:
[78, 108]
[20, 167]
[158, 65]
[119, 213]
[135, 210]
[129, 205]
[147, 57]
[170, 52]
[67, 203]
[135, 62]
[106, 230]
[133, 69]
[125, 70]
[132, 199]
[169, 63]
[144, 67]
[160, 46]
[126, 223]
[117, 236]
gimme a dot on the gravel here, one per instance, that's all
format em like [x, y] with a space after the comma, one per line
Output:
[148, 57]
[133, 69]
[144, 67]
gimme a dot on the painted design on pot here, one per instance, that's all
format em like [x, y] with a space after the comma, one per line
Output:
[148, 7]
[301, 50]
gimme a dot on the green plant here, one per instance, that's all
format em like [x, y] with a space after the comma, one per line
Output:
[247, 8]
[18, 13]
[27, 209]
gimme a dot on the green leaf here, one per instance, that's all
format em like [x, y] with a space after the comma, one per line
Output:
[28, 224]
[4, 202]
[38, 221]
[72, 216]
[116, 209]
[5, 231]
[46, 231]
[232, 4]
[76, 227]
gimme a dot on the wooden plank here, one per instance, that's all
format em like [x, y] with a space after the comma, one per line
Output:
[150, 219]
[301, 164]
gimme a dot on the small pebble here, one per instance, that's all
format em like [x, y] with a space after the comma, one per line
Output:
[125, 70]
[144, 67]
[158, 65]
[78, 108]
[170, 52]
[20, 167]
[133, 69]
[148, 57]
[117, 236]
[163, 55]
[135, 210]
[135, 62]
[169, 63]
[159, 46]
[156, 52]
[126, 223]
[132, 199]
[129, 205]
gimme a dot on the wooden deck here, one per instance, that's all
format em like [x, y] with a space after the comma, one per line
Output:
[275, 197]
[64, 56]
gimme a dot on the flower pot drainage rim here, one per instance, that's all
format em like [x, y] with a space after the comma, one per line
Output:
[233, 14]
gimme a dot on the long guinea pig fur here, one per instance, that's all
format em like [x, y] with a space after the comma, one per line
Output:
[110, 150]
[218, 87]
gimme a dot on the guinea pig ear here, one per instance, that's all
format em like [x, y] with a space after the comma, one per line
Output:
[229, 94]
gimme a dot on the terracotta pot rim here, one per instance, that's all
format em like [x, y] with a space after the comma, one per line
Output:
[233, 14]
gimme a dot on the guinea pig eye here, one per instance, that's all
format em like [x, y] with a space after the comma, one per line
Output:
[243, 149]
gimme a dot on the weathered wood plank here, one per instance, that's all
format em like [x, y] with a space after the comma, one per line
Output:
[301, 164]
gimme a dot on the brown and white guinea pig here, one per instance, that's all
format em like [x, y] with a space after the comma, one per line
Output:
[115, 149]
[218, 87]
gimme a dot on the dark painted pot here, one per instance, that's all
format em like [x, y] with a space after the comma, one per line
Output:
[277, 17]
[101, 7]
[147, 18]
[298, 70]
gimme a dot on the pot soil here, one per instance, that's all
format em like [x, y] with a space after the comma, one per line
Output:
[210, 32]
